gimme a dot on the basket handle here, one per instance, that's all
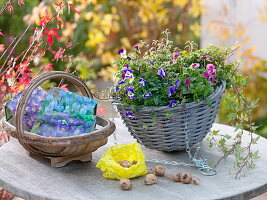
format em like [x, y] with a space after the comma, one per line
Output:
[35, 83]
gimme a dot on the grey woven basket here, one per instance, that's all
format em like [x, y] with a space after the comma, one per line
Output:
[155, 129]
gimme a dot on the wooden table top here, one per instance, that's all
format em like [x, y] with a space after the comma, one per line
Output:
[33, 178]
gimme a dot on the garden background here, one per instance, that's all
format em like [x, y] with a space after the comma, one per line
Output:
[97, 29]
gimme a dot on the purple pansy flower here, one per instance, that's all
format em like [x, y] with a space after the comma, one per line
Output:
[130, 92]
[195, 65]
[175, 55]
[126, 67]
[171, 90]
[130, 115]
[187, 83]
[172, 103]
[177, 83]
[210, 68]
[120, 51]
[116, 88]
[162, 73]
[127, 72]
[128, 58]
[210, 74]
[147, 95]
[212, 77]
[151, 62]
[136, 47]
[120, 82]
[167, 83]
[142, 82]
[206, 75]
[205, 57]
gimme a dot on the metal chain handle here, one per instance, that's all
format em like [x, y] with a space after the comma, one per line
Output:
[113, 120]
[201, 163]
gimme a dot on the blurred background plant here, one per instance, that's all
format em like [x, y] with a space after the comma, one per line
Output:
[103, 26]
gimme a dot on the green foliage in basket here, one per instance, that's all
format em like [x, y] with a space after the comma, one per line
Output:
[161, 74]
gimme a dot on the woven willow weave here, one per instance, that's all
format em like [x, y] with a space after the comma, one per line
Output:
[157, 129]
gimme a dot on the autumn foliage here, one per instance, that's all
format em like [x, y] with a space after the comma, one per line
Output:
[16, 69]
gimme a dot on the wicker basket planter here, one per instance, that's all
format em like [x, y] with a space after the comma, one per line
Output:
[156, 129]
[64, 149]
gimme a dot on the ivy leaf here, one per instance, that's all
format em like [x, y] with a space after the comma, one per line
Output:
[156, 100]
[239, 126]
[222, 141]
[232, 116]
[254, 140]
[255, 155]
[208, 101]
[215, 132]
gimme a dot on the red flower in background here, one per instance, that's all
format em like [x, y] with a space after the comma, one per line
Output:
[50, 34]
[25, 79]
[48, 67]
[1, 33]
[69, 45]
[58, 54]
[20, 2]
[74, 9]
[44, 20]
[2, 47]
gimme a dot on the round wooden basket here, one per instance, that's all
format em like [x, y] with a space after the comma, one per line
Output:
[64, 149]
[163, 128]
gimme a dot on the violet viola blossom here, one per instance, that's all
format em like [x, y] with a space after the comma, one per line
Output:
[210, 68]
[136, 47]
[177, 83]
[195, 65]
[205, 57]
[171, 90]
[172, 103]
[130, 115]
[142, 82]
[120, 82]
[147, 95]
[116, 88]
[187, 83]
[127, 72]
[212, 77]
[130, 92]
[211, 73]
[167, 83]
[162, 73]
[175, 55]
[122, 53]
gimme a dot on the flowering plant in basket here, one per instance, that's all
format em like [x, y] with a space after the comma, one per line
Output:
[161, 75]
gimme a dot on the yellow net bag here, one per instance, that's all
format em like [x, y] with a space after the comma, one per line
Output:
[131, 152]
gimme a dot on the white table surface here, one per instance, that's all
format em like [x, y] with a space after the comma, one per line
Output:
[33, 178]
